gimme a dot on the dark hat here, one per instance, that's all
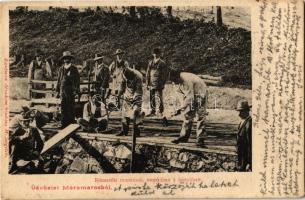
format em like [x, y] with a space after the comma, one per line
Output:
[243, 105]
[91, 94]
[156, 51]
[118, 51]
[67, 54]
[98, 57]
[38, 53]
[25, 108]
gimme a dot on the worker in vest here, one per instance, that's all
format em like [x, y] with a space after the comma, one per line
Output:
[132, 92]
[101, 76]
[156, 76]
[67, 88]
[116, 69]
[26, 146]
[94, 115]
[39, 70]
[195, 94]
[244, 137]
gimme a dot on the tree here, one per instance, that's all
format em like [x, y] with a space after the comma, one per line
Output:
[132, 11]
[218, 16]
[169, 11]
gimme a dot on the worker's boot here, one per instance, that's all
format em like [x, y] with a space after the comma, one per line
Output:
[136, 131]
[200, 142]
[125, 128]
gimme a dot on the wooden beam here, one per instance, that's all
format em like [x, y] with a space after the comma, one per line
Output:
[60, 136]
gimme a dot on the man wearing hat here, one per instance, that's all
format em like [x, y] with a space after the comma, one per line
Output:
[94, 115]
[67, 88]
[116, 69]
[244, 137]
[39, 70]
[195, 94]
[156, 76]
[101, 76]
[132, 92]
[26, 146]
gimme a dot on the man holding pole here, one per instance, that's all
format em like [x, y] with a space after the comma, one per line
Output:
[132, 92]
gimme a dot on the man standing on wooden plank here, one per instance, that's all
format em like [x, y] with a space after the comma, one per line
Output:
[195, 94]
[67, 88]
[244, 137]
[131, 88]
[101, 76]
[94, 116]
[156, 77]
[39, 70]
[116, 70]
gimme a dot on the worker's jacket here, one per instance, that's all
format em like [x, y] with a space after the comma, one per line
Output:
[156, 74]
[68, 81]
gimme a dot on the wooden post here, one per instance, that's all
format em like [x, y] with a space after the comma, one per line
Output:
[133, 148]
[218, 16]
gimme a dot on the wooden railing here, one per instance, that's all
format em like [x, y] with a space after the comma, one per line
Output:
[49, 93]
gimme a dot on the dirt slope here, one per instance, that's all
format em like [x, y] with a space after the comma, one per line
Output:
[195, 46]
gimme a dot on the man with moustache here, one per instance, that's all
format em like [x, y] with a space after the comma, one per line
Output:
[67, 88]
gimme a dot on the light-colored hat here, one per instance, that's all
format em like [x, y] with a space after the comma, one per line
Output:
[98, 57]
[67, 54]
[118, 51]
[243, 105]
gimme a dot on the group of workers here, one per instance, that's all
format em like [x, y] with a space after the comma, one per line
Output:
[124, 83]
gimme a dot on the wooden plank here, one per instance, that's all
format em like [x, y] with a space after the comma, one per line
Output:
[43, 81]
[46, 100]
[60, 136]
[45, 91]
[161, 141]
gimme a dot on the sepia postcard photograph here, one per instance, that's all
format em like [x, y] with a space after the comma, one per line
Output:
[152, 100]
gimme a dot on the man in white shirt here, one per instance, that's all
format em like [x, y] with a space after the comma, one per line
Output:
[195, 93]
[94, 115]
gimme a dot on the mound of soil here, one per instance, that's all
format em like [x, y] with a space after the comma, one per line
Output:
[195, 46]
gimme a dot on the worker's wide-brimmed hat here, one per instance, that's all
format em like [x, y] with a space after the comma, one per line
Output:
[67, 54]
[118, 51]
[24, 109]
[243, 105]
[156, 51]
[98, 57]
[38, 53]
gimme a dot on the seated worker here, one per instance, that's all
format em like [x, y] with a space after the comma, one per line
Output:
[16, 121]
[26, 146]
[39, 119]
[93, 120]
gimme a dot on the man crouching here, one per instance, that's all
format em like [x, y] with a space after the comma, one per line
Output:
[26, 146]
[94, 115]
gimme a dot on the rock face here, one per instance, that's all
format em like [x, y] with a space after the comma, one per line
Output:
[149, 159]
